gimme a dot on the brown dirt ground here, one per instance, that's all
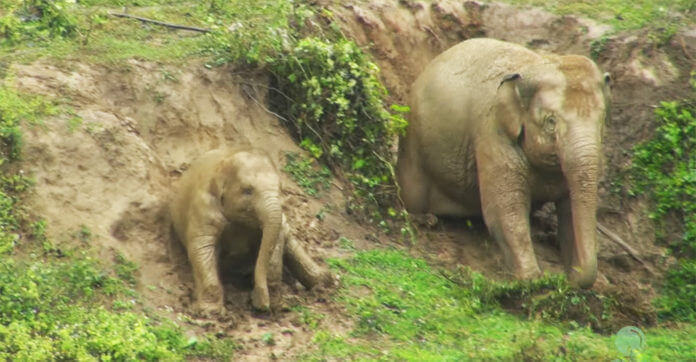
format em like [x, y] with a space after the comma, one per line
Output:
[113, 172]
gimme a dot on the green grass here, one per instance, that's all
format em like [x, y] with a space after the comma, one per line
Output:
[308, 173]
[661, 15]
[406, 310]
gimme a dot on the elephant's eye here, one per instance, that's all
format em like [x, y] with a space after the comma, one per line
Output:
[247, 190]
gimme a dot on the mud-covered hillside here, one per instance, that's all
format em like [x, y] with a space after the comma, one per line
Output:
[112, 110]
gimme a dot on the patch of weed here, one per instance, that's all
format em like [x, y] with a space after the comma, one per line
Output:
[309, 317]
[308, 173]
[656, 14]
[665, 169]
[35, 19]
[125, 269]
[337, 112]
[406, 310]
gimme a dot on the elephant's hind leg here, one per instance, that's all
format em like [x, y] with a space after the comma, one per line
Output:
[300, 263]
[413, 183]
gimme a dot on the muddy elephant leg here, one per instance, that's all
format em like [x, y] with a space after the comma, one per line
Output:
[300, 263]
[202, 253]
[506, 205]
[275, 267]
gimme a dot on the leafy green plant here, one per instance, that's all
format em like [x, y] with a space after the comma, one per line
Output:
[597, 46]
[312, 177]
[247, 32]
[41, 19]
[125, 269]
[336, 110]
[665, 168]
[679, 293]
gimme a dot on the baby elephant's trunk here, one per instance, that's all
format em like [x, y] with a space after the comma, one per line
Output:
[270, 215]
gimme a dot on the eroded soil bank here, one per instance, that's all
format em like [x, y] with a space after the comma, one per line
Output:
[142, 123]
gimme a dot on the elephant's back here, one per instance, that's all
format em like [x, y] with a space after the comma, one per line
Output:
[463, 80]
[452, 98]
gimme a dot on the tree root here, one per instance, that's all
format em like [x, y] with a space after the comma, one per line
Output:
[618, 240]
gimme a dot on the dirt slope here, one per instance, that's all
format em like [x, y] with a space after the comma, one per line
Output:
[113, 174]
[142, 123]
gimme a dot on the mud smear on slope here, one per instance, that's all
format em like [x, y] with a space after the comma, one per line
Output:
[142, 123]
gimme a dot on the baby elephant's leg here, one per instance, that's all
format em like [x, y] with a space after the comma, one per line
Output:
[202, 254]
[300, 263]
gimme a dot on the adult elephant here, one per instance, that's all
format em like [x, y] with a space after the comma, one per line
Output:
[496, 127]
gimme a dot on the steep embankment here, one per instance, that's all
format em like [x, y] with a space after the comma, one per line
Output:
[111, 168]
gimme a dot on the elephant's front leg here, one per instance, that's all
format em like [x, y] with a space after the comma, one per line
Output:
[505, 203]
[203, 255]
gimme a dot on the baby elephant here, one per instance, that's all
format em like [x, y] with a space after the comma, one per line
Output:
[226, 201]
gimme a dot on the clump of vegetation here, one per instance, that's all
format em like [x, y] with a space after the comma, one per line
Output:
[337, 110]
[15, 108]
[35, 19]
[404, 309]
[308, 173]
[665, 168]
[248, 32]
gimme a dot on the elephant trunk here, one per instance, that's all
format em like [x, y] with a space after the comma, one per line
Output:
[270, 214]
[580, 161]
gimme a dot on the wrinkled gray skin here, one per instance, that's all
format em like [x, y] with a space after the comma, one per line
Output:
[496, 127]
[226, 201]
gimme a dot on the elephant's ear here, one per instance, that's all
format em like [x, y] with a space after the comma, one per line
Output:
[514, 97]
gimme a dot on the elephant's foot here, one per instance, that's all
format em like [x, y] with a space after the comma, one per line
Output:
[209, 310]
[260, 299]
[528, 271]
[427, 220]
[302, 266]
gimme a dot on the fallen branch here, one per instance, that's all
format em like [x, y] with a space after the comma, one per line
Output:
[617, 239]
[156, 22]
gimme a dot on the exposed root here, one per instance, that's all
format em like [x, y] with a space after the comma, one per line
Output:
[619, 241]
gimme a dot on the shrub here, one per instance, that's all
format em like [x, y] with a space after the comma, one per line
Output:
[41, 19]
[336, 110]
[665, 168]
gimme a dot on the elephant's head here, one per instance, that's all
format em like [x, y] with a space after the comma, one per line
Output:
[555, 113]
[249, 189]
